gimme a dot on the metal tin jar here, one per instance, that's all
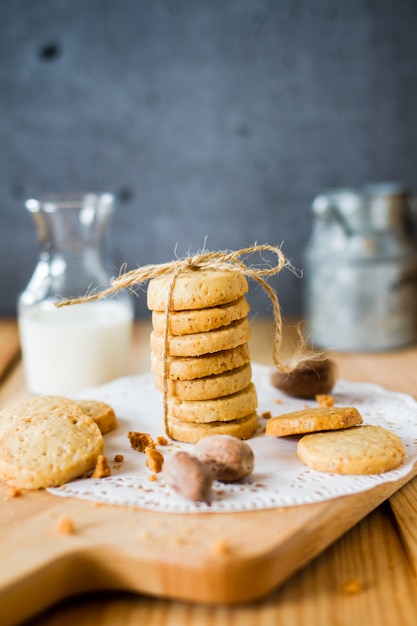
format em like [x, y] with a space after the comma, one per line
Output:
[361, 270]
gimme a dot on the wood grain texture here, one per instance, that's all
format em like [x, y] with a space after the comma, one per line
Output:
[404, 506]
[362, 579]
[174, 557]
[164, 555]
[9, 345]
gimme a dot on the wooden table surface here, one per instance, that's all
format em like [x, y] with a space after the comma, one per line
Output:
[366, 577]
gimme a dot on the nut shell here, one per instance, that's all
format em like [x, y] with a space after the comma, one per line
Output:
[310, 378]
[228, 458]
[188, 476]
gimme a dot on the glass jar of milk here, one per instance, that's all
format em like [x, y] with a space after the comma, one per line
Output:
[68, 349]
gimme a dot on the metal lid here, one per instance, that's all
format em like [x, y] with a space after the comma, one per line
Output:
[379, 206]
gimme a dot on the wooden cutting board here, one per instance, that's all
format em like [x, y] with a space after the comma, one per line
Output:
[9, 345]
[208, 558]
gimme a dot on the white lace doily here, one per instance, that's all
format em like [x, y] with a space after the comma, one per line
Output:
[278, 479]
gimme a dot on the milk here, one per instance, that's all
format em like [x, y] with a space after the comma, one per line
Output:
[68, 349]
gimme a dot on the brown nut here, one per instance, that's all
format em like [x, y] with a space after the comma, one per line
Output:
[310, 378]
[188, 476]
[228, 457]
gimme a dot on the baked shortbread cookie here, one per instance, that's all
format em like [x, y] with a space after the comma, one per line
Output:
[222, 409]
[312, 420]
[191, 432]
[208, 387]
[189, 368]
[102, 413]
[360, 450]
[47, 449]
[56, 405]
[200, 320]
[196, 344]
[196, 289]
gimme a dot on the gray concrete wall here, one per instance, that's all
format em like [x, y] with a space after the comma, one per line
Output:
[214, 120]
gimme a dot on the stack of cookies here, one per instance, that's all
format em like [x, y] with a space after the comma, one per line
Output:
[203, 362]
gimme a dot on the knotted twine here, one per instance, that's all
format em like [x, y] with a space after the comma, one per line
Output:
[221, 260]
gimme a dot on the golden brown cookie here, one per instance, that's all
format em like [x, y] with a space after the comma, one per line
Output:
[47, 449]
[57, 405]
[196, 289]
[191, 432]
[188, 368]
[200, 320]
[312, 420]
[102, 413]
[208, 387]
[359, 450]
[196, 344]
[223, 409]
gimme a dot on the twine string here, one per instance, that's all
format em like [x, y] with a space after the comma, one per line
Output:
[204, 260]
[223, 260]
[165, 372]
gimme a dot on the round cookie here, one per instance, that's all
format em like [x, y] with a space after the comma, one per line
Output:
[361, 450]
[200, 320]
[189, 368]
[191, 432]
[57, 405]
[47, 450]
[196, 289]
[196, 344]
[208, 387]
[312, 420]
[223, 409]
[101, 412]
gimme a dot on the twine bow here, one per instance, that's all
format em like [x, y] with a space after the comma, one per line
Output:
[222, 260]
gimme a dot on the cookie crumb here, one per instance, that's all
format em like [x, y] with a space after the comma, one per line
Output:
[221, 547]
[325, 400]
[267, 415]
[102, 468]
[152, 477]
[162, 441]
[65, 526]
[140, 441]
[351, 587]
[154, 459]
[119, 458]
